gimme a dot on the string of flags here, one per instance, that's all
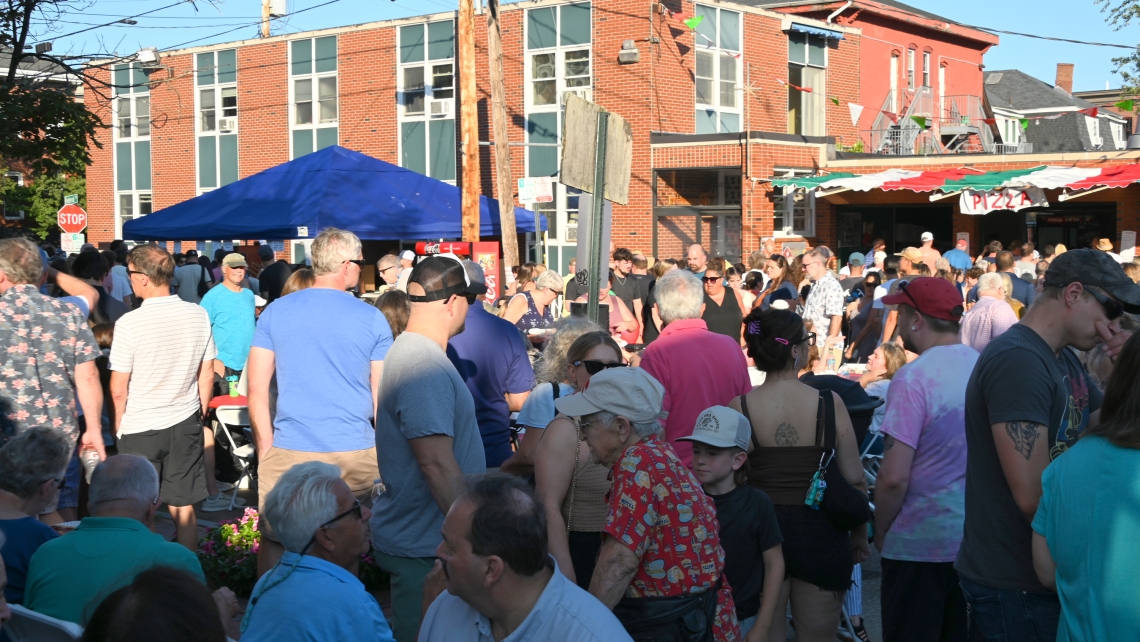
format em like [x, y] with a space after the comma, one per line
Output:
[806, 90]
[692, 22]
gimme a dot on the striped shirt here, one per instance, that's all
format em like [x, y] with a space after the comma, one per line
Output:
[162, 344]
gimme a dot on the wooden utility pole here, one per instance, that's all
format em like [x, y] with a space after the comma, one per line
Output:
[504, 182]
[469, 121]
[264, 18]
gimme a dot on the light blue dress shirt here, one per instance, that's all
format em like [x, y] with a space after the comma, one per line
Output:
[318, 602]
[563, 612]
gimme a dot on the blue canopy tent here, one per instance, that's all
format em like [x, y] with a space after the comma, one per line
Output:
[334, 187]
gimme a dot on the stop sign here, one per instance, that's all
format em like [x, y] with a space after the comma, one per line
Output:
[72, 219]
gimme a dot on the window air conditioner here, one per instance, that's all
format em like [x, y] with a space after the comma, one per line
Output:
[440, 108]
[584, 94]
[227, 124]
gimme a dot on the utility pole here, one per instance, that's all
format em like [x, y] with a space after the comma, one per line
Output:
[504, 182]
[264, 18]
[469, 121]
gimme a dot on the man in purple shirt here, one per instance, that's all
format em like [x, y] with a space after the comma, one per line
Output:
[698, 368]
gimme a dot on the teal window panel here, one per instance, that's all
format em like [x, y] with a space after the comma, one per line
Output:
[441, 40]
[441, 137]
[413, 147]
[541, 28]
[302, 51]
[412, 43]
[205, 64]
[142, 164]
[729, 122]
[729, 30]
[817, 51]
[139, 79]
[207, 161]
[542, 128]
[575, 24]
[302, 142]
[227, 66]
[122, 79]
[326, 54]
[123, 167]
[797, 47]
[706, 121]
[707, 28]
[326, 137]
[228, 159]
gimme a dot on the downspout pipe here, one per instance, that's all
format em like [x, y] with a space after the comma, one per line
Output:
[831, 18]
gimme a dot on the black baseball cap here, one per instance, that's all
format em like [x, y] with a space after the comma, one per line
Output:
[1096, 269]
[441, 276]
[476, 278]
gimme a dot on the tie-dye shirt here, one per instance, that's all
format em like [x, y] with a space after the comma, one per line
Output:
[926, 411]
[659, 511]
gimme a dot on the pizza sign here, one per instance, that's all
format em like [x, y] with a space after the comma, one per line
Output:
[1010, 199]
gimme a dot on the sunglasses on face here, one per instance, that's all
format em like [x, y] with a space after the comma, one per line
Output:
[594, 367]
[1112, 309]
[358, 262]
[131, 273]
[711, 279]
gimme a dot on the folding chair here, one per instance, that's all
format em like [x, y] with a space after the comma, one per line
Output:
[235, 417]
[871, 463]
[28, 626]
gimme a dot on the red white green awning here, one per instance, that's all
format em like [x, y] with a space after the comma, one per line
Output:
[956, 180]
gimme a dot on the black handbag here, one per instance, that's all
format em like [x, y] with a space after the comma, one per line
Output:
[688, 618]
[845, 506]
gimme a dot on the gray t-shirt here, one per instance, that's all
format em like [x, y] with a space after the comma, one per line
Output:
[421, 394]
[1017, 378]
[186, 280]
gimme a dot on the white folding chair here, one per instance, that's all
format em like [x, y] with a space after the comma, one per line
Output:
[236, 417]
[28, 626]
[871, 463]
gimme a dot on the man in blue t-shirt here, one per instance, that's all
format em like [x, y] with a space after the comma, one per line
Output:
[327, 350]
[232, 319]
[491, 357]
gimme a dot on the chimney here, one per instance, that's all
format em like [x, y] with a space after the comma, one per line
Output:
[1064, 77]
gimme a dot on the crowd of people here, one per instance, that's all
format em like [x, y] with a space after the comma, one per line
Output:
[712, 460]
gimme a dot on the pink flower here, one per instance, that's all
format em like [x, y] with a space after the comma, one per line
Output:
[229, 543]
[256, 546]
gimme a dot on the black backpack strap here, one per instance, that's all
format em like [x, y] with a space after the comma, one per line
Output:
[827, 399]
[744, 411]
[556, 388]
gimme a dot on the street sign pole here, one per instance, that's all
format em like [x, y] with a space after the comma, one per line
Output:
[597, 204]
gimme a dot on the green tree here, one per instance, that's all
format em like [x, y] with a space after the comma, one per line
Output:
[42, 199]
[1122, 13]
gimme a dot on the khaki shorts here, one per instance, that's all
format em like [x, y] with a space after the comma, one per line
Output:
[358, 469]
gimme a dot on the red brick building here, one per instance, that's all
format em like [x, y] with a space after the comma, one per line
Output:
[711, 114]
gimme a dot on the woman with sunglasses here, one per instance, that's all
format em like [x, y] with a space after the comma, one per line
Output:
[724, 307]
[570, 484]
[534, 308]
[779, 277]
[784, 454]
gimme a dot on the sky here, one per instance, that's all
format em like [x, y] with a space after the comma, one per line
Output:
[183, 25]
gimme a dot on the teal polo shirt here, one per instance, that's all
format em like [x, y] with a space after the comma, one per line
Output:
[69, 576]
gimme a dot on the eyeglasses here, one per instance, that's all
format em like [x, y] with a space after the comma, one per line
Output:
[806, 264]
[390, 267]
[902, 288]
[1112, 309]
[711, 279]
[131, 273]
[585, 425]
[809, 339]
[359, 262]
[594, 367]
[356, 509]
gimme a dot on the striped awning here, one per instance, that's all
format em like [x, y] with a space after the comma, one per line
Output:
[957, 180]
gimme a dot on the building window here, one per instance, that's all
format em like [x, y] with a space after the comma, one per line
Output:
[12, 214]
[216, 80]
[313, 94]
[718, 72]
[131, 112]
[426, 73]
[807, 68]
[558, 62]
[1093, 126]
[794, 214]
[926, 69]
[1117, 134]
[910, 68]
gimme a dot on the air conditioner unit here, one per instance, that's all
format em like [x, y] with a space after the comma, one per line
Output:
[572, 233]
[584, 94]
[440, 108]
[227, 124]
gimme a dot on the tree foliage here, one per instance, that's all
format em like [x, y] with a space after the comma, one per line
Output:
[1122, 13]
[42, 199]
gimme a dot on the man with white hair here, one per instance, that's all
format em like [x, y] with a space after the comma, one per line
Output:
[990, 316]
[327, 349]
[389, 268]
[325, 531]
[427, 435]
[698, 368]
[824, 305]
[501, 578]
[69, 574]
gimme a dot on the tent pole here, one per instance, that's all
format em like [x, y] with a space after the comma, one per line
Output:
[1068, 196]
[469, 122]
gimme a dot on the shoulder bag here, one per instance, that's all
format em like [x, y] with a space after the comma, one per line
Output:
[686, 618]
[845, 506]
[203, 282]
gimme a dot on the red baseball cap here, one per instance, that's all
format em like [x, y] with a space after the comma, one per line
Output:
[931, 296]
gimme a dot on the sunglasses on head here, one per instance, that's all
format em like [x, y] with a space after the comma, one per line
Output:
[594, 367]
[1112, 308]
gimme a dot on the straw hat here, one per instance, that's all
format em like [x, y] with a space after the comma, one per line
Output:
[1104, 245]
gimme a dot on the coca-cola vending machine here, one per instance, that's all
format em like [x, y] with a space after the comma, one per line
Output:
[485, 253]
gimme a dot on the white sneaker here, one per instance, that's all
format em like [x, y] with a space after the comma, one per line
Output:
[220, 503]
[224, 486]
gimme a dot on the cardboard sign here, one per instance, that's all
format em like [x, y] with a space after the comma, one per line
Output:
[1010, 199]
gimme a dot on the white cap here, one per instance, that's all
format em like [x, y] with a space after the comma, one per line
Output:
[880, 256]
[408, 255]
[927, 236]
[259, 302]
[721, 427]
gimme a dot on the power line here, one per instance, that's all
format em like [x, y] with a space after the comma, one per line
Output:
[74, 33]
[222, 33]
[1030, 35]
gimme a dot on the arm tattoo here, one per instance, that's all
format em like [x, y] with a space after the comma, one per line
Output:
[888, 442]
[786, 435]
[1024, 435]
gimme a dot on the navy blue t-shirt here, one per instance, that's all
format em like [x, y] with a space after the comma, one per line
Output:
[490, 355]
[24, 538]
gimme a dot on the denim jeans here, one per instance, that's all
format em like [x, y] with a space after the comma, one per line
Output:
[1003, 615]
